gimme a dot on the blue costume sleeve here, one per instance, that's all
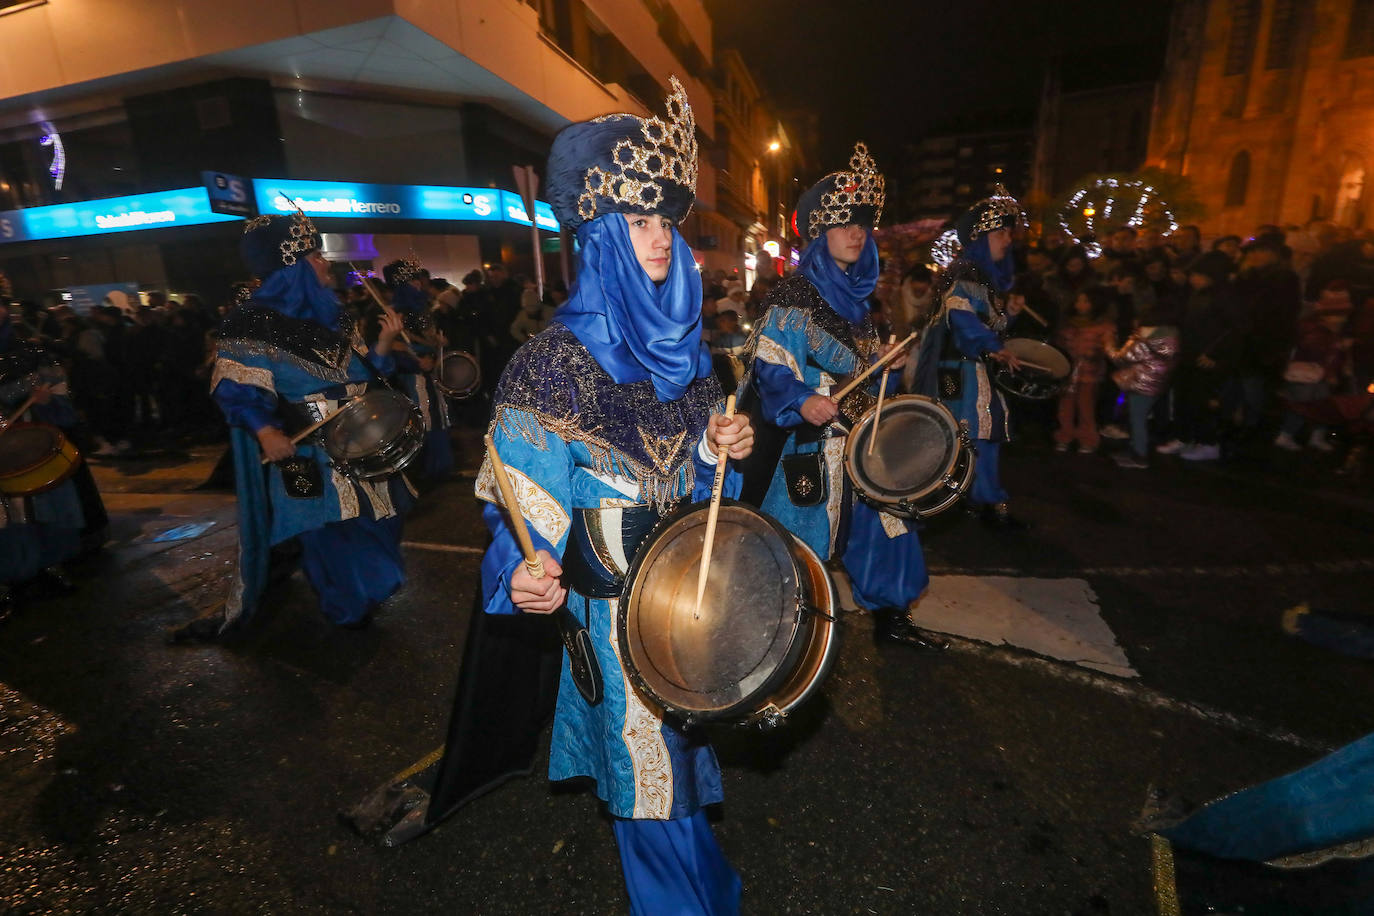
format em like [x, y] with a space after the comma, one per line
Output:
[384, 363]
[971, 336]
[541, 469]
[704, 470]
[778, 357]
[247, 406]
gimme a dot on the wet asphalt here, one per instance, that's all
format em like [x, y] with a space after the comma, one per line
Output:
[139, 778]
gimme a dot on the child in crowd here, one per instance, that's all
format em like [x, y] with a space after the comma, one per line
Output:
[1087, 336]
[1314, 370]
[1145, 361]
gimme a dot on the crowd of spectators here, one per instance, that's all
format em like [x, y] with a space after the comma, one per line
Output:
[140, 371]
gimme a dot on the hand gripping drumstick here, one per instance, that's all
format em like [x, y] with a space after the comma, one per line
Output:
[376, 297]
[713, 514]
[6, 424]
[878, 411]
[533, 565]
[296, 439]
[859, 379]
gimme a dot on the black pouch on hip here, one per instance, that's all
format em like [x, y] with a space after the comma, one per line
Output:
[586, 670]
[805, 478]
[301, 477]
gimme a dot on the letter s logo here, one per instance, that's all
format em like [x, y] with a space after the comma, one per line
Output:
[6, 229]
[239, 192]
[481, 206]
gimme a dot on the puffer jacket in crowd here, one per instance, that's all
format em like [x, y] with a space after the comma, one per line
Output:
[1147, 359]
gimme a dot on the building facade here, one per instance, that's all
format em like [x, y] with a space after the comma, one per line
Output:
[377, 101]
[1268, 107]
[943, 176]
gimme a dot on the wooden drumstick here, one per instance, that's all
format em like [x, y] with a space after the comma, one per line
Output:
[1034, 314]
[880, 364]
[712, 514]
[296, 439]
[878, 411]
[533, 564]
[6, 424]
[376, 297]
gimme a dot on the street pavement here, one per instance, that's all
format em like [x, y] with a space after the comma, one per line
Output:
[1130, 640]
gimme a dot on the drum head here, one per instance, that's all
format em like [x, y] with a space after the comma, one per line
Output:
[1054, 362]
[459, 372]
[367, 423]
[917, 446]
[747, 636]
[25, 445]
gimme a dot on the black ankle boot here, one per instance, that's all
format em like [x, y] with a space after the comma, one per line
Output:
[893, 625]
[999, 516]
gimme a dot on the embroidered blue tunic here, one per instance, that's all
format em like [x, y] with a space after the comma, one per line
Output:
[573, 439]
[973, 325]
[802, 348]
[266, 357]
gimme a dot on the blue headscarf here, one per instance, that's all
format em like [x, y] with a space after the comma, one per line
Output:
[635, 328]
[846, 291]
[296, 291]
[1002, 273]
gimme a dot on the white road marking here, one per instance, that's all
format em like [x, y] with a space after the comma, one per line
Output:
[1058, 618]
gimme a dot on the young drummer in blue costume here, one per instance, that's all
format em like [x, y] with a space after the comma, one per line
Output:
[605, 420]
[286, 357]
[40, 532]
[816, 331]
[967, 330]
[415, 365]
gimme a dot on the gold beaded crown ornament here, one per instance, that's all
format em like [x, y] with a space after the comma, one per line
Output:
[271, 242]
[841, 198]
[622, 163]
[999, 211]
[402, 270]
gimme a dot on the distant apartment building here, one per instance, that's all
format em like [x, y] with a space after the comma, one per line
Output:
[943, 176]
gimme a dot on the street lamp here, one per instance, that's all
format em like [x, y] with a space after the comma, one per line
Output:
[774, 147]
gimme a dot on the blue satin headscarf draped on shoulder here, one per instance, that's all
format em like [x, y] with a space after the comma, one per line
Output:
[1002, 273]
[635, 328]
[846, 291]
[295, 291]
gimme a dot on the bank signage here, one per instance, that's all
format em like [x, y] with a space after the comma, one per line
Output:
[354, 200]
[325, 199]
[158, 210]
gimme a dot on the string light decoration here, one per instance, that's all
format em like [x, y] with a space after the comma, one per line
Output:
[1091, 207]
[945, 249]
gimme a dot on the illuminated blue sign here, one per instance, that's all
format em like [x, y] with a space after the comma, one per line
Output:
[353, 200]
[160, 209]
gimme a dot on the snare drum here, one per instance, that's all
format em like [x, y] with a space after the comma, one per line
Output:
[921, 462]
[374, 435]
[1044, 372]
[767, 634]
[458, 376]
[34, 458]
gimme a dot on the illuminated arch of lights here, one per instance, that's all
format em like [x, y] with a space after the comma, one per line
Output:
[946, 248]
[1105, 201]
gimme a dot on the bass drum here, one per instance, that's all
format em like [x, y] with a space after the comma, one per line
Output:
[35, 458]
[459, 376]
[766, 637]
[374, 435]
[920, 464]
[1044, 371]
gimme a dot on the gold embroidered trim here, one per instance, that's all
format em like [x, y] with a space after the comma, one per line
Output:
[536, 504]
[236, 371]
[893, 526]
[833, 451]
[643, 737]
[770, 351]
[661, 489]
[959, 303]
[348, 496]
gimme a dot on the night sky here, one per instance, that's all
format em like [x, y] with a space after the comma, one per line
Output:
[892, 71]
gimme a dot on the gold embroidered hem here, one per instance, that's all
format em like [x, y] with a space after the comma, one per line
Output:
[235, 371]
[536, 505]
[643, 737]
